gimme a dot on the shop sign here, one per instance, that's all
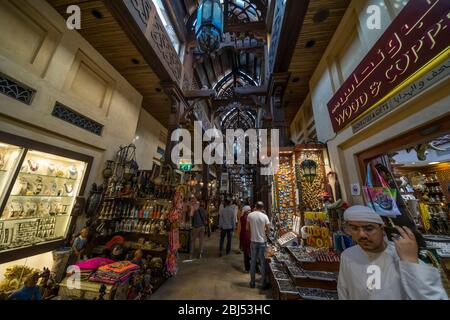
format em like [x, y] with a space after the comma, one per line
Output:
[431, 78]
[185, 166]
[356, 189]
[417, 35]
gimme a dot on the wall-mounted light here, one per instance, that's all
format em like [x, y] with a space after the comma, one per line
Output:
[309, 170]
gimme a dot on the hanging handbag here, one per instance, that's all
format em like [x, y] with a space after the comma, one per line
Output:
[381, 199]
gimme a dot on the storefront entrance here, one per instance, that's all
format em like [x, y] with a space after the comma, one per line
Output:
[417, 166]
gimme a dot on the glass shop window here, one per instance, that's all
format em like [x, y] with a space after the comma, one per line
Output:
[165, 18]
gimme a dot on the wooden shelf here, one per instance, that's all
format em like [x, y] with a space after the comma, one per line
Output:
[41, 196]
[45, 176]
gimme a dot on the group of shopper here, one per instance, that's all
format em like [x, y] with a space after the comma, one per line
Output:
[253, 227]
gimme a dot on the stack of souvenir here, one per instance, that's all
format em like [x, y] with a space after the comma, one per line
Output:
[316, 229]
[87, 267]
[114, 273]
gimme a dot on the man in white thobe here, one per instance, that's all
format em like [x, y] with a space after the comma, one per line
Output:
[378, 269]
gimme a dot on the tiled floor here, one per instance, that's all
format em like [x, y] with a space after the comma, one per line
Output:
[211, 278]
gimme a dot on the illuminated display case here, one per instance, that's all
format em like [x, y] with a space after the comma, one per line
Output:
[39, 186]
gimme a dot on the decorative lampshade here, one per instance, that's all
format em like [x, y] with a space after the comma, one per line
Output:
[209, 27]
[309, 169]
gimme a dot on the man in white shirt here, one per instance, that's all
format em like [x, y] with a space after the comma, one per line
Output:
[259, 226]
[377, 269]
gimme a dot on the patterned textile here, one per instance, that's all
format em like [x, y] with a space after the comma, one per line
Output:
[119, 267]
[116, 272]
[93, 264]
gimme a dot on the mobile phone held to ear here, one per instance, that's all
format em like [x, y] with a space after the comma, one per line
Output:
[390, 232]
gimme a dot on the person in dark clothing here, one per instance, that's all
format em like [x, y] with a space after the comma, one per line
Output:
[199, 222]
[244, 237]
[227, 224]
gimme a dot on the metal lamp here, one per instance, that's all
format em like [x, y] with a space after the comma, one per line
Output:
[309, 170]
[209, 27]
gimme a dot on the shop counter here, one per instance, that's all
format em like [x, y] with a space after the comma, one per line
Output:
[89, 290]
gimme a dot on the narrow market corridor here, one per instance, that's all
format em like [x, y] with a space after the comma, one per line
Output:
[212, 277]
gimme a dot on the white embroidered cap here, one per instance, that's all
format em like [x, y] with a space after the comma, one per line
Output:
[362, 214]
[246, 208]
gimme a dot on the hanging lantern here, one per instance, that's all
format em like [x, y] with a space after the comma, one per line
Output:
[309, 169]
[209, 27]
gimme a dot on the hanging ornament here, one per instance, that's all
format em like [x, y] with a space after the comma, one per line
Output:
[209, 27]
[309, 169]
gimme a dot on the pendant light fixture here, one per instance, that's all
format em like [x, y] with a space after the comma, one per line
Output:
[209, 27]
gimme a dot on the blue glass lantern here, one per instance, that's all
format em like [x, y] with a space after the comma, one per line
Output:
[209, 28]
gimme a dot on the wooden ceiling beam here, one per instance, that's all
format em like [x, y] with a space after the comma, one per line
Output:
[258, 27]
[241, 91]
[213, 68]
[197, 94]
[269, 16]
[251, 90]
[207, 73]
[294, 18]
[259, 47]
[224, 102]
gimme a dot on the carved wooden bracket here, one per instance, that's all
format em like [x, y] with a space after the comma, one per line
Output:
[139, 19]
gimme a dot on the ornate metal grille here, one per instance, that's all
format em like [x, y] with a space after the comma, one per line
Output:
[64, 113]
[16, 90]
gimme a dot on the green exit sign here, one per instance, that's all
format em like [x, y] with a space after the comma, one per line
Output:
[185, 166]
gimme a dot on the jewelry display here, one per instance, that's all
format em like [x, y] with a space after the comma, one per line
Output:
[39, 189]
[24, 168]
[69, 188]
[55, 208]
[51, 169]
[39, 186]
[6, 235]
[2, 160]
[39, 180]
[30, 208]
[21, 187]
[73, 172]
[25, 234]
[53, 188]
[59, 172]
[60, 191]
[44, 208]
[15, 209]
[34, 166]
